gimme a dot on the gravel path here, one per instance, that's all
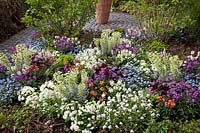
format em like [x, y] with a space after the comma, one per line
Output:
[116, 20]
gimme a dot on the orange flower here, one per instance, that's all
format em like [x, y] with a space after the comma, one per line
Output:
[170, 103]
[173, 104]
[160, 98]
[91, 84]
[35, 68]
[102, 83]
[93, 93]
[80, 67]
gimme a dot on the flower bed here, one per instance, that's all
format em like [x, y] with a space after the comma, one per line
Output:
[116, 85]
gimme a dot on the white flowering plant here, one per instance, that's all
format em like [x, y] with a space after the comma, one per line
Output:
[89, 57]
[47, 99]
[125, 110]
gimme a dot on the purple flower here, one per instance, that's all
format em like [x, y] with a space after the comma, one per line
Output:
[18, 77]
[177, 96]
[2, 68]
[34, 77]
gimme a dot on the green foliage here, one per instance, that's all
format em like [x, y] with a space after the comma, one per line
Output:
[191, 7]
[71, 85]
[168, 126]
[158, 46]
[164, 126]
[59, 17]
[21, 59]
[159, 17]
[17, 120]
[108, 40]
[65, 58]
[165, 65]
[60, 62]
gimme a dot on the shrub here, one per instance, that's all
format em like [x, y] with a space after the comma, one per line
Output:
[59, 17]
[11, 11]
[158, 46]
[159, 17]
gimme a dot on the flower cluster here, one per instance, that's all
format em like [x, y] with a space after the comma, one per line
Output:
[177, 99]
[89, 57]
[35, 74]
[125, 109]
[2, 68]
[193, 80]
[98, 83]
[134, 34]
[134, 77]
[64, 44]
[167, 103]
[192, 63]
[70, 86]
[43, 59]
[8, 91]
[117, 48]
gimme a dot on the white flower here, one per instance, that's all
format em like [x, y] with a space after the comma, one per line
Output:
[192, 52]
[86, 131]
